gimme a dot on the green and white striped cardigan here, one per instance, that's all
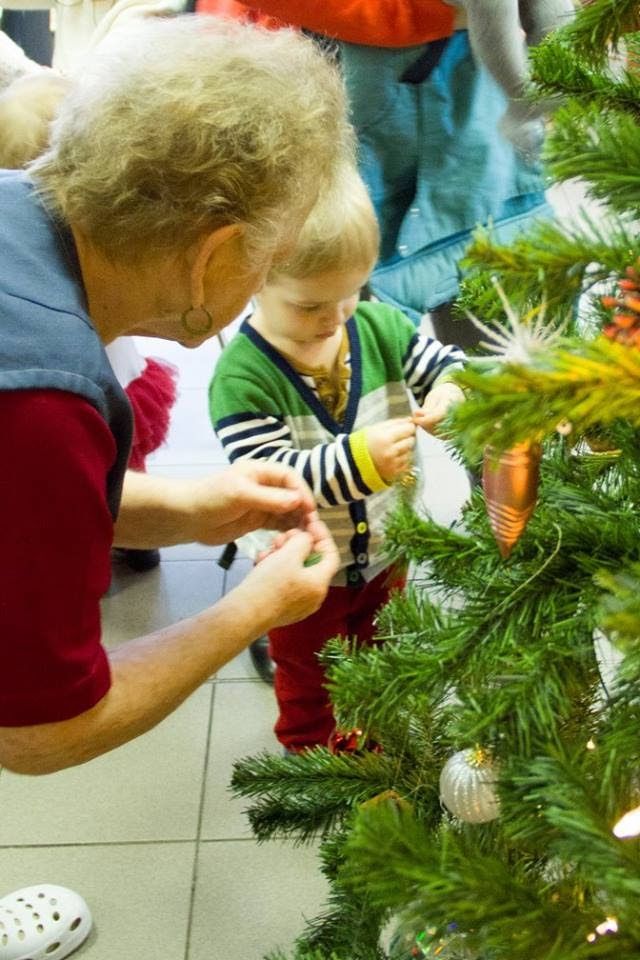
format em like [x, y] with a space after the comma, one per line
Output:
[262, 409]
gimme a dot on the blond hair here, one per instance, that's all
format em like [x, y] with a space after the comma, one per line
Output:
[340, 232]
[27, 107]
[184, 125]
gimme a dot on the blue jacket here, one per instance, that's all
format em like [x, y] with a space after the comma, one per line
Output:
[435, 164]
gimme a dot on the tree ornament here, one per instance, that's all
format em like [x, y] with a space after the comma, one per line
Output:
[625, 321]
[409, 479]
[521, 338]
[628, 825]
[467, 786]
[510, 483]
[564, 428]
[405, 944]
[599, 440]
[351, 741]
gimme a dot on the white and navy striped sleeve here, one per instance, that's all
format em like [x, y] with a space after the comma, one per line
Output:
[329, 469]
[426, 360]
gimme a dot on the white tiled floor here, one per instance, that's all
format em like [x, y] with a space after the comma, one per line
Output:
[149, 834]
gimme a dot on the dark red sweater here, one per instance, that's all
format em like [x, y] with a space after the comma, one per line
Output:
[55, 539]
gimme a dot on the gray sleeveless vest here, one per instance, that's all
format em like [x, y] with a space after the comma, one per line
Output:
[47, 340]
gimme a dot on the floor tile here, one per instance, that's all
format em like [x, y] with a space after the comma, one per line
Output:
[139, 603]
[240, 668]
[138, 895]
[243, 718]
[251, 899]
[148, 789]
[190, 551]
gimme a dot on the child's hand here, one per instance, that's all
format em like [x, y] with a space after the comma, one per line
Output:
[391, 445]
[436, 406]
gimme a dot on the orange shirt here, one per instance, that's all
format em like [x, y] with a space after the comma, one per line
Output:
[237, 11]
[378, 23]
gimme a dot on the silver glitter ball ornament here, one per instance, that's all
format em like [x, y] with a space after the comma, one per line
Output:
[467, 786]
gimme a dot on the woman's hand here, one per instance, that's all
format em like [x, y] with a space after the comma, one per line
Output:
[436, 406]
[285, 588]
[251, 495]
[156, 511]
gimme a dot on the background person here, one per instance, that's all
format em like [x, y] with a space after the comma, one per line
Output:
[186, 160]
[427, 118]
[157, 210]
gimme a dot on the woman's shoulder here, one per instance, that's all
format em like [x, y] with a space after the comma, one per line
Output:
[54, 421]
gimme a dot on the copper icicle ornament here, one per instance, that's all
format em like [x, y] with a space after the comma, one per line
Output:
[510, 484]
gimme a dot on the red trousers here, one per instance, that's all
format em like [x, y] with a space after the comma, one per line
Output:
[305, 718]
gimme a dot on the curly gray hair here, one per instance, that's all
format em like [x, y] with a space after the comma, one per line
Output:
[180, 126]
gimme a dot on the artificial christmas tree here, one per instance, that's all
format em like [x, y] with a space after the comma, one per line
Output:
[507, 788]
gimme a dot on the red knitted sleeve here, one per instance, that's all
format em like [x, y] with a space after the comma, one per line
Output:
[55, 539]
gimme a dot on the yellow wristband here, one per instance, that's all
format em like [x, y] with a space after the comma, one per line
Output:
[364, 462]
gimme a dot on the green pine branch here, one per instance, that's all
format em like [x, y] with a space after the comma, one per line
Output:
[601, 147]
[503, 907]
[558, 70]
[599, 26]
[349, 928]
[621, 607]
[588, 383]
[551, 263]
[309, 793]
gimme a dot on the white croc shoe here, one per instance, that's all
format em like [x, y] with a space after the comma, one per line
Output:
[42, 922]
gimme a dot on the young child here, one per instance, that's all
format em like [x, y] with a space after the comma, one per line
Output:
[321, 382]
[27, 107]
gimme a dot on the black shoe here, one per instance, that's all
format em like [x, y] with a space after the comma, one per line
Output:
[138, 560]
[259, 652]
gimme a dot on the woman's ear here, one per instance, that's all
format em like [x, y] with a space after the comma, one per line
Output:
[208, 248]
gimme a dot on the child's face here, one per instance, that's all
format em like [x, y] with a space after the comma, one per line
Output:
[312, 309]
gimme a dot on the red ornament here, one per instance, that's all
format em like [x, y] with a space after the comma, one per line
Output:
[625, 320]
[352, 741]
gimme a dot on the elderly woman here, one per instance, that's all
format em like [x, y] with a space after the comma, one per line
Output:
[185, 162]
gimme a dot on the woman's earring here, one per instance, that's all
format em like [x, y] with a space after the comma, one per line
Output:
[197, 320]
